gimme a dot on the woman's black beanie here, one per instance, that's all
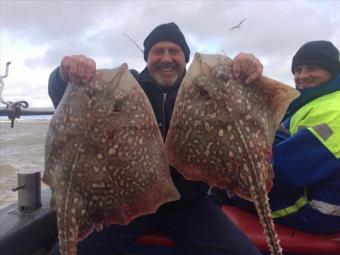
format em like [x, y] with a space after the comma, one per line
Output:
[320, 53]
[166, 32]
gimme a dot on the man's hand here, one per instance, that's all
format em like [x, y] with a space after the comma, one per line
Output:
[77, 68]
[247, 67]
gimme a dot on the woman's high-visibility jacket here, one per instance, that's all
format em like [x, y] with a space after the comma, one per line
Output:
[306, 152]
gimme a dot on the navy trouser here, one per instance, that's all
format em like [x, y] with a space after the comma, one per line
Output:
[200, 228]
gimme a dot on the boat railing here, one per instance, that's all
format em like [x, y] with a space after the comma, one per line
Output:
[13, 110]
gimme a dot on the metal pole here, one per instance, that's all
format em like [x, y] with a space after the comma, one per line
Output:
[29, 192]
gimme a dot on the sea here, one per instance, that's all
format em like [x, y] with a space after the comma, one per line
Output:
[21, 151]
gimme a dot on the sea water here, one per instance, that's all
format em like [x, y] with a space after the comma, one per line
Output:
[21, 151]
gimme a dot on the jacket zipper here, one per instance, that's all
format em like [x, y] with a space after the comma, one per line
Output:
[163, 120]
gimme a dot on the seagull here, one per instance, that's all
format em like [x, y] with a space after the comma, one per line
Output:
[238, 25]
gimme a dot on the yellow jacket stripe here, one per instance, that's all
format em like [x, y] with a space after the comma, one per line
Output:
[293, 208]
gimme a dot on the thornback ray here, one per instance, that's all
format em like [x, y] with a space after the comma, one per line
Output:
[222, 131]
[105, 159]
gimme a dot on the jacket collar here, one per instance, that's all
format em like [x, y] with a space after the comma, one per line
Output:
[310, 94]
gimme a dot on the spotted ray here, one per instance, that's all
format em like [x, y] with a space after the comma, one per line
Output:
[222, 131]
[105, 157]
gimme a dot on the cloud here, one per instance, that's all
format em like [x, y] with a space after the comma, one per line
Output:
[35, 35]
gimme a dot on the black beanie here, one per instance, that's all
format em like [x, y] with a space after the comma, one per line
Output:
[166, 32]
[320, 53]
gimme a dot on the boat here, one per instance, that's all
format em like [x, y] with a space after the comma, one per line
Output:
[33, 232]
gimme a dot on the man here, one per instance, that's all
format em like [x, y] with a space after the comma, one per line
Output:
[196, 222]
[306, 151]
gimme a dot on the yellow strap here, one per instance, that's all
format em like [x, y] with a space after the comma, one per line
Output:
[293, 208]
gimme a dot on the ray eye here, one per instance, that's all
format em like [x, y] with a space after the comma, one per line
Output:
[110, 134]
[204, 93]
[118, 106]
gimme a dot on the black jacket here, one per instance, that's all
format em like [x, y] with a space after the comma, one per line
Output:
[162, 101]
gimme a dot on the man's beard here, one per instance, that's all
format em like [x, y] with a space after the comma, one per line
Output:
[160, 80]
[165, 84]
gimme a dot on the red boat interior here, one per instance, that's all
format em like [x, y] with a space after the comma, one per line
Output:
[292, 241]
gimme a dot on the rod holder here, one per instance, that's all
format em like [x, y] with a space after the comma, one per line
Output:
[29, 192]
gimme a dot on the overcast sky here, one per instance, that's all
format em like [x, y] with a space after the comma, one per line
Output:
[35, 35]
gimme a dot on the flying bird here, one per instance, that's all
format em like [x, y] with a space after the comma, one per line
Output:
[238, 25]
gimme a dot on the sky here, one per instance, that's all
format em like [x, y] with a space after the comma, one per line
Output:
[35, 35]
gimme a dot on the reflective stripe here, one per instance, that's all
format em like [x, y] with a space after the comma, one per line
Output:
[293, 208]
[323, 130]
[325, 208]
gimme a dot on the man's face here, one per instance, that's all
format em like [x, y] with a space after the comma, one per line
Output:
[308, 76]
[166, 63]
